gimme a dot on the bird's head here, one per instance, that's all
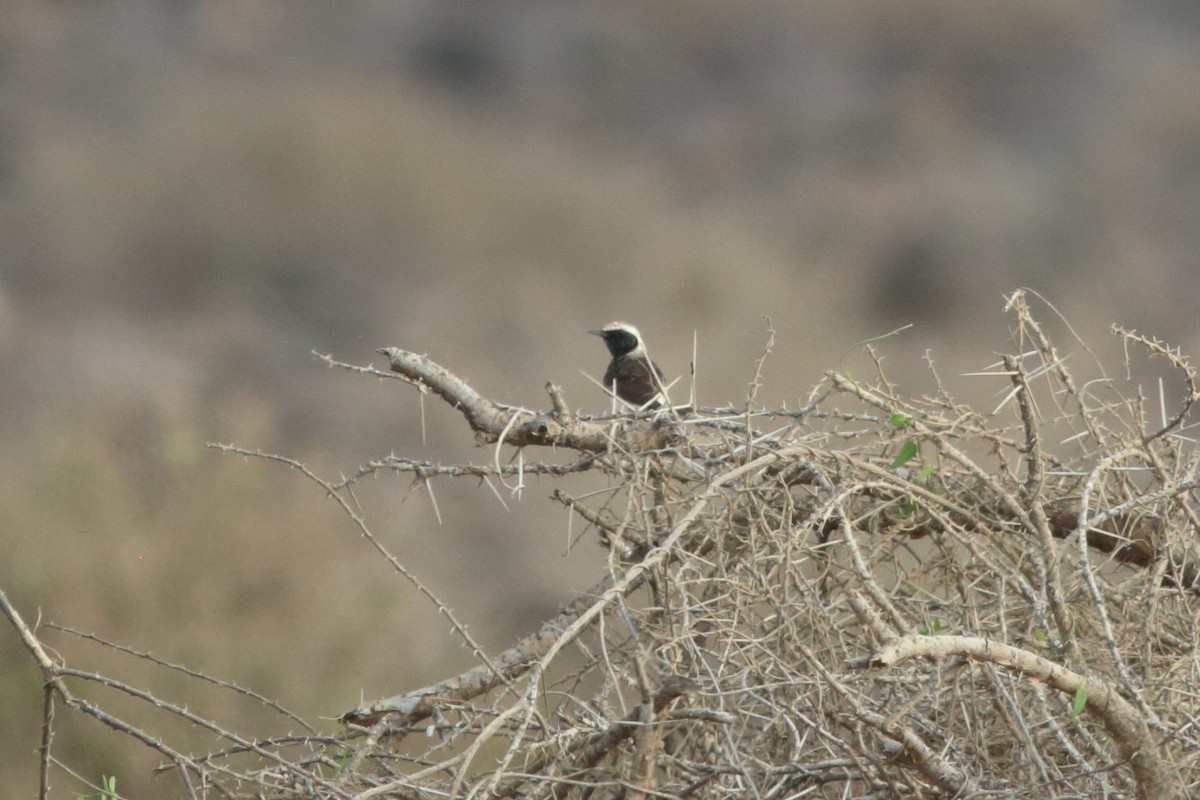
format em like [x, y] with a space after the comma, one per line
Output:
[622, 339]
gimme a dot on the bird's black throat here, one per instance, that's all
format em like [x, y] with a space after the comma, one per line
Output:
[620, 342]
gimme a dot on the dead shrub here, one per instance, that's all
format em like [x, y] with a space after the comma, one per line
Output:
[870, 596]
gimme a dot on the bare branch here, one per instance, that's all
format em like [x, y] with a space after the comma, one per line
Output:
[1120, 718]
[491, 421]
[1190, 395]
[415, 705]
[1002, 571]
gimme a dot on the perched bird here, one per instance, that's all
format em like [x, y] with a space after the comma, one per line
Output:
[635, 378]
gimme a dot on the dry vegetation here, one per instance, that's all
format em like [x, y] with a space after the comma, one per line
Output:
[868, 596]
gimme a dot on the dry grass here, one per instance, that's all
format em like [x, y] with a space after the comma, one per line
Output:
[872, 595]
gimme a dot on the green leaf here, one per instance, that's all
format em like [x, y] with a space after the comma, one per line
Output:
[923, 475]
[1080, 700]
[898, 420]
[908, 451]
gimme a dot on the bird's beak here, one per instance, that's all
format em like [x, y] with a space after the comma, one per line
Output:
[596, 332]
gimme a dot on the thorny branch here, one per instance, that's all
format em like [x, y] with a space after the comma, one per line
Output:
[1006, 575]
[517, 427]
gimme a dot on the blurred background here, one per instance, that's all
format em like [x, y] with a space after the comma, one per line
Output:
[196, 195]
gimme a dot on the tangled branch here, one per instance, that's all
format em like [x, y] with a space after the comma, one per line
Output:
[873, 596]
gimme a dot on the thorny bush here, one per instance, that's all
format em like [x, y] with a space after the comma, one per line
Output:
[869, 596]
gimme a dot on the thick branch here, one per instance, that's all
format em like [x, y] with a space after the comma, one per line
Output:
[416, 705]
[1122, 721]
[517, 427]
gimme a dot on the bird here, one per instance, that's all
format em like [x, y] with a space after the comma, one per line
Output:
[634, 377]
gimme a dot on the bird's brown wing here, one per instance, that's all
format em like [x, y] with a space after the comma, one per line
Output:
[635, 383]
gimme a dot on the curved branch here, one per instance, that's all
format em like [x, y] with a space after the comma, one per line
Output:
[1190, 395]
[493, 422]
[1122, 721]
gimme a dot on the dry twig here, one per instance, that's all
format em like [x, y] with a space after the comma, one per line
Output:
[1010, 577]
